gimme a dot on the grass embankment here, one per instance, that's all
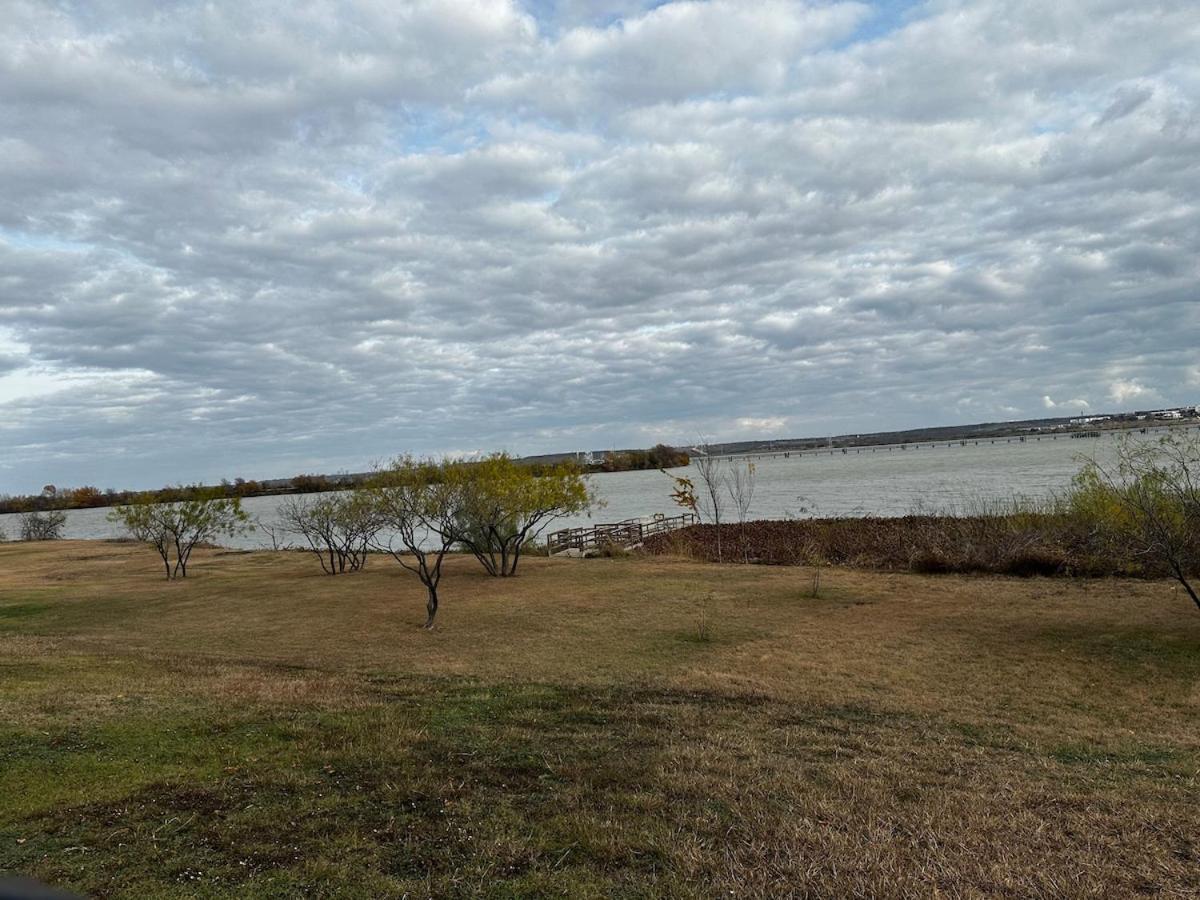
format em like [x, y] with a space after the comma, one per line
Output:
[1022, 543]
[262, 730]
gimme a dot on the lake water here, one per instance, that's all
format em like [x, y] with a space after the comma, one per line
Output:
[880, 481]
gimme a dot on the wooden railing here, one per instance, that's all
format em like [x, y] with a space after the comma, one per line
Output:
[628, 533]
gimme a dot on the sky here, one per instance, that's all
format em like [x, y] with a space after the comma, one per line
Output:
[248, 238]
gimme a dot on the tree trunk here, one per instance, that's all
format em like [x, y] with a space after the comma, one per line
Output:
[1182, 579]
[431, 607]
[1191, 593]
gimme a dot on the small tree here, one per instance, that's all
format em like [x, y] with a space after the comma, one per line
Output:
[1149, 499]
[275, 530]
[338, 527]
[739, 483]
[719, 477]
[684, 493]
[43, 526]
[710, 498]
[419, 509]
[178, 527]
[505, 505]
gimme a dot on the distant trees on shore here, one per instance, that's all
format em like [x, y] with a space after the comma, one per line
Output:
[88, 497]
[660, 456]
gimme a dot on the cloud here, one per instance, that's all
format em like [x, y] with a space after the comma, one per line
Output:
[1126, 391]
[240, 242]
[1077, 404]
[761, 426]
[1127, 99]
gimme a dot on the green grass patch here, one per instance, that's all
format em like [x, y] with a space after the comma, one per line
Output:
[1095, 755]
[1131, 648]
[13, 611]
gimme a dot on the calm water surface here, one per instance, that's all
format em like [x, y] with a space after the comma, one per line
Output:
[866, 482]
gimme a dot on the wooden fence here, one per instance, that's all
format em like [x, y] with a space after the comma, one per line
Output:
[629, 533]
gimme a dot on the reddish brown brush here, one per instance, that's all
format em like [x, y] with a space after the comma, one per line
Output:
[1019, 544]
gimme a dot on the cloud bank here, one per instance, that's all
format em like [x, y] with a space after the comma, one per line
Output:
[235, 242]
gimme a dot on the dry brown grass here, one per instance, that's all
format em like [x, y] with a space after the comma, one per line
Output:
[900, 735]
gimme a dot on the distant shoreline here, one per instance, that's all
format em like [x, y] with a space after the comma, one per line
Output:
[980, 431]
[838, 444]
[1188, 415]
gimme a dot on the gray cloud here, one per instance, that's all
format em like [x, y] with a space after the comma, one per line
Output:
[235, 242]
[1127, 99]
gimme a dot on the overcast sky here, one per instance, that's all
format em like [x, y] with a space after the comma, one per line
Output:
[258, 238]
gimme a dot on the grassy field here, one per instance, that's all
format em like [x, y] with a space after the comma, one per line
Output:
[602, 728]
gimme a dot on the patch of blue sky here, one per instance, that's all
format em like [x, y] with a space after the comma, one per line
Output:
[29, 240]
[416, 131]
[554, 16]
[885, 17]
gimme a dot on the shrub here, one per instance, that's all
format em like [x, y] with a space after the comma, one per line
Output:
[610, 550]
[43, 526]
[1041, 542]
[180, 527]
[1147, 503]
[930, 562]
[1035, 561]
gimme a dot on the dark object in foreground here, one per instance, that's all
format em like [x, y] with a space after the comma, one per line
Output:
[28, 889]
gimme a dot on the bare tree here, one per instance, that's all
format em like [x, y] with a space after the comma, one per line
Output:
[712, 470]
[275, 530]
[43, 526]
[338, 527]
[739, 482]
[1149, 499]
[420, 511]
